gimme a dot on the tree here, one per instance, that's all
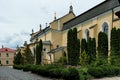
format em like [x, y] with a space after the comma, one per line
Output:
[18, 59]
[115, 46]
[69, 46]
[91, 48]
[103, 45]
[39, 49]
[28, 57]
[73, 47]
[84, 58]
[83, 45]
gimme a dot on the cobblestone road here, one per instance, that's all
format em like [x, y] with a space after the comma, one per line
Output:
[7, 73]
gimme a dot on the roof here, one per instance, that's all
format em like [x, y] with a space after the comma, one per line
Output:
[40, 33]
[36, 34]
[7, 50]
[63, 17]
[91, 13]
[44, 43]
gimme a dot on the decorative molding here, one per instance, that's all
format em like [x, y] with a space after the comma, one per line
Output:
[93, 26]
[116, 19]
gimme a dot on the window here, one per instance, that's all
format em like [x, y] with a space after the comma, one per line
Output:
[105, 28]
[86, 34]
[0, 54]
[7, 55]
[0, 61]
[7, 62]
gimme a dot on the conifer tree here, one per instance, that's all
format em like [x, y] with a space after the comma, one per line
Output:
[39, 49]
[28, 57]
[115, 46]
[69, 46]
[91, 49]
[103, 45]
[73, 47]
[18, 59]
[83, 45]
[84, 58]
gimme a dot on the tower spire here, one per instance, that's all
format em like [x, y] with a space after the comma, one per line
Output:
[32, 31]
[55, 16]
[40, 27]
[71, 8]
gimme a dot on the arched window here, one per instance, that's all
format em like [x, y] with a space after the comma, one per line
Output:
[86, 34]
[105, 28]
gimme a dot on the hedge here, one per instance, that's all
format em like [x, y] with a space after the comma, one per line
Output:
[104, 71]
[51, 71]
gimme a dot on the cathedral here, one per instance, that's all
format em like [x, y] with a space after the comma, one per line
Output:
[102, 17]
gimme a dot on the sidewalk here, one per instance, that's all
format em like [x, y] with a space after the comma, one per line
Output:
[109, 78]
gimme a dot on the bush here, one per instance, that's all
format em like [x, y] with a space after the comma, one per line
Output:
[96, 72]
[104, 71]
[84, 74]
[27, 67]
[65, 74]
[51, 71]
[18, 67]
[73, 74]
[55, 73]
[34, 68]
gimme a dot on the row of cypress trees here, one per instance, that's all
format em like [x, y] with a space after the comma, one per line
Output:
[86, 53]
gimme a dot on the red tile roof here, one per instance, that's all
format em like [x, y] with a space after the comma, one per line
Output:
[7, 50]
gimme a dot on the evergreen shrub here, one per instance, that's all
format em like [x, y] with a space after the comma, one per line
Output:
[104, 71]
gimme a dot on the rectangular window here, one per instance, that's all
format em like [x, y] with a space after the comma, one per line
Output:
[7, 55]
[0, 54]
[0, 61]
[7, 62]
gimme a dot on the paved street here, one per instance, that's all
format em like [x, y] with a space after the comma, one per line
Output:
[7, 73]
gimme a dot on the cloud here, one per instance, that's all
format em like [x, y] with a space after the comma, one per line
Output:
[12, 41]
[4, 20]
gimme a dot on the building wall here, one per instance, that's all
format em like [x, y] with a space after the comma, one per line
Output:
[64, 38]
[94, 26]
[45, 37]
[116, 20]
[56, 38]
[57, 55]
[8, 58]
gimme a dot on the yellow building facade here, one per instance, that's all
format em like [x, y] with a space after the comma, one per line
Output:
[7, 56]
[102, 17]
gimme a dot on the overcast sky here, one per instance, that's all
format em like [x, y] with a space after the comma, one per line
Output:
[19, 17]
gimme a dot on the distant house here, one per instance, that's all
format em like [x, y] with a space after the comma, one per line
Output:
[7, 56]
